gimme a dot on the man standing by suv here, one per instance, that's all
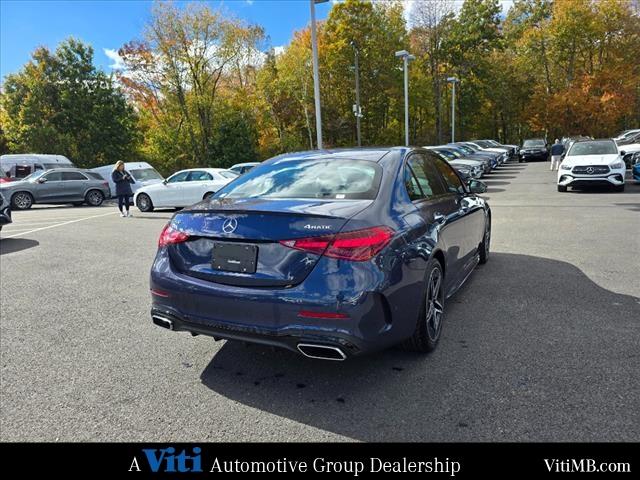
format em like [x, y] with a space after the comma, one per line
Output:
[557, 149]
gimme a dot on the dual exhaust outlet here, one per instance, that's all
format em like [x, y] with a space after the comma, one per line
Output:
[310, 350]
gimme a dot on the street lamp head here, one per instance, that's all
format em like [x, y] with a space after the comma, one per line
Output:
[402, 53]
[452, 79]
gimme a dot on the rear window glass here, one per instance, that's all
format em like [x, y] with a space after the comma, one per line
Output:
[144, 174]
[229, 174]
[593, 148]
[94, 175]
[331, 179]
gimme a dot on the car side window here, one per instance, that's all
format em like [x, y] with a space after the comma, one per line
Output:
[53, 177]
[427, 175]
[73, 176]
[199, 176]
[178, 177]
[451, 179]
[411, 183]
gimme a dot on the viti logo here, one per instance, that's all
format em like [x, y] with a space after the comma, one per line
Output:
[168, 461]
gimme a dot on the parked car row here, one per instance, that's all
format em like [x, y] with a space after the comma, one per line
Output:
[476, 158]
[52, 179]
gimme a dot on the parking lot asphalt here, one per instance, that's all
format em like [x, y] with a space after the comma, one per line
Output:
[541, 344]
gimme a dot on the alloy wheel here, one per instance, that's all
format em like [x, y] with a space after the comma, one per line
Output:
[143, 202]
[94, 198]
[22, 201]
[435, 304]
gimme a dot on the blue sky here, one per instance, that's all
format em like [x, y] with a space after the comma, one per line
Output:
[108, 24]
[25, 24]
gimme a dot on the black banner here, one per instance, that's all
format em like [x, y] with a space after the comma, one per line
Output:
[355, 460]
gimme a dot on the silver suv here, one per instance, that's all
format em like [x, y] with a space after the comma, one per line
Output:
[62, 185]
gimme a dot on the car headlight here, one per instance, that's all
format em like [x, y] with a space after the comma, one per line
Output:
[565, 167]
[617, 165]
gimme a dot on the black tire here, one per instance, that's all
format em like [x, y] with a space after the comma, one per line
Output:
[21, 201]
[619, 188]
[207, 195]
[484, 248]
[144, 203]
[562, 188]
[94, 198]
[429, 325]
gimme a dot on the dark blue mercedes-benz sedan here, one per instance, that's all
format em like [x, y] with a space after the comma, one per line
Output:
[330, 253]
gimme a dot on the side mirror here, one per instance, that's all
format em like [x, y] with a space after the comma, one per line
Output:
[164, 182]
[622, 153]
[476, 186]
[42, 180]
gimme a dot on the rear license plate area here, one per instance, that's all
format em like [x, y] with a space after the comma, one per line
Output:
[234, 257]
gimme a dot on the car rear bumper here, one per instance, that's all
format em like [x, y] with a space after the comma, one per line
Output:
[289, 337]
[280, 316]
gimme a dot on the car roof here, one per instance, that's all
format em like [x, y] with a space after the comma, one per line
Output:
[35, 157]
[67, 169]
[373, 154]
[587, 140]
[244, 164]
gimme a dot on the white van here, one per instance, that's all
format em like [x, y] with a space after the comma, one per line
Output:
[20, 165]
[143, 173]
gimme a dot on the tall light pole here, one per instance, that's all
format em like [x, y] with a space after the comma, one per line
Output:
[453, 81]
[316, 78]
[406, 58]
[357, 111]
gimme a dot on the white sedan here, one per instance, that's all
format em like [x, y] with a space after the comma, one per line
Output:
[182, 189]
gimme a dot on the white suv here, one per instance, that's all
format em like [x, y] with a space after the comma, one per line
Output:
[590, 163]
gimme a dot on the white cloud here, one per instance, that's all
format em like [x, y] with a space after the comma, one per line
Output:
[117, 62]
[279, 50]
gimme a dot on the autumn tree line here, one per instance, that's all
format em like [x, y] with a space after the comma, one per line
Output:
[201, 88]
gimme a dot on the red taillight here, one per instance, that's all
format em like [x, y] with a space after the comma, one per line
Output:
[170, 236]
[357, 246]
[327, 315]
[160, 293]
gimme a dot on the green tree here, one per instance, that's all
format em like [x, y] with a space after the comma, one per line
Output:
[191, 62]
[60, 103]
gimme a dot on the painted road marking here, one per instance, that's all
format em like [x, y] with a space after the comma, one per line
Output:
[58, 225]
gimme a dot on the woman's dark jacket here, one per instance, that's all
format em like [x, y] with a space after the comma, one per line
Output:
[123, 181]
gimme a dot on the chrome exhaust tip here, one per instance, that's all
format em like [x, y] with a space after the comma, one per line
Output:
[321, 352]
[162, 322]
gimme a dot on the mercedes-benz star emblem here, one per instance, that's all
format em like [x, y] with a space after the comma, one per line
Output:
[229, 225]
[590, 170]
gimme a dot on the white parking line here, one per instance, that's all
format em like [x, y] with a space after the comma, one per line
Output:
[58, 225]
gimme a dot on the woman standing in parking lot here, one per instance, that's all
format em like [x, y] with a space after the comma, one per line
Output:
[123, 181]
